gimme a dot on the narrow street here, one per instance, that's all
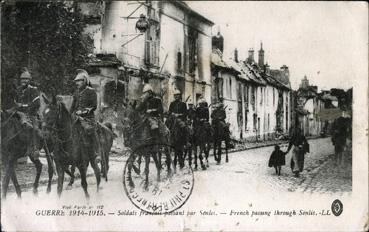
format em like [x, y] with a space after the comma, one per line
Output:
[320, 175]
[246, 174]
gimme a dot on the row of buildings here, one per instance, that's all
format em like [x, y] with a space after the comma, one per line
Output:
[170, 46]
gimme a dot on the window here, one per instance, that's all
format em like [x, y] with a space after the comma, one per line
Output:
[230, 88]
[273, 97]
[152, 45]
[192, 49]
[253, 98]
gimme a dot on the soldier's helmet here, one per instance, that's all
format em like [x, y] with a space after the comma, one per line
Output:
[25, 74]
[220, 105]
[147, 88]
[176, 92]
[201, 101]
[82, 75]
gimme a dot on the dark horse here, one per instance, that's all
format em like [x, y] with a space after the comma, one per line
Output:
[179, 139]
[69, 147]
[142, 144]
[202, 139]
[221, 133]
[16, 135]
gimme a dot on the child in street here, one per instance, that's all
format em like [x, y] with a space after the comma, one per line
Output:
[277, 159]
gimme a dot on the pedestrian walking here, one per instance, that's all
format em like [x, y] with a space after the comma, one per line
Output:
[277, 159]
[300, 147]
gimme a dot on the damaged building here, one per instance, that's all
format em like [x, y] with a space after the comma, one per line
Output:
[257, 98]
[164, 43]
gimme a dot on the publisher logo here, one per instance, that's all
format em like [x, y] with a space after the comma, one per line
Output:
[337, 207]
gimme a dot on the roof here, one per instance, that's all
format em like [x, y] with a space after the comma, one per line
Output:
[281, 77]
[217, 60]
[184, 6]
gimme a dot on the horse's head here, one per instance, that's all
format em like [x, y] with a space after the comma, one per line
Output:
[13, 124]
[129, 114]
[54, 113]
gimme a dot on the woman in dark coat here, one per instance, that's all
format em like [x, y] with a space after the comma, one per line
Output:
[277, 159]
[300, 147]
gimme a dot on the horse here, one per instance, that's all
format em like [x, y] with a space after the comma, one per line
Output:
[16, 136]
[221, 133]
[179, 139]
[106, 137]
[202, 138]
[69, 147]
[138, 138]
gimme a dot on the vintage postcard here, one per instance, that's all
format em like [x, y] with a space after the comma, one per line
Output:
[184, 116]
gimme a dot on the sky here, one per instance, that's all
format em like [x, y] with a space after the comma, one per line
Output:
[326, 41]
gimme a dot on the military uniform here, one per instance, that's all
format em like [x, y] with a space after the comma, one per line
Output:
[202, 113]
[85, 100]
[28, 99]
[218, 115]
[177, 107]
[153, 108]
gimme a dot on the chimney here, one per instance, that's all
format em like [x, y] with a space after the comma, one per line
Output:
[285, 70]
[217, 42]
[236, 55]
[250, 58]
[267, 68]
[261, 56]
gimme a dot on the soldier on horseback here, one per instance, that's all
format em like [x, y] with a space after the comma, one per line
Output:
[178, 109]
[219, 114]
[176, 123]
[84, 104]
[221, 131]
[28, 102]
[152, 107]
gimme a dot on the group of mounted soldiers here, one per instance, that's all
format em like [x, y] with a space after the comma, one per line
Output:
[85, 103]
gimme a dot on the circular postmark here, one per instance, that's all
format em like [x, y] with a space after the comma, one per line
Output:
[151, 181]
[337, 207]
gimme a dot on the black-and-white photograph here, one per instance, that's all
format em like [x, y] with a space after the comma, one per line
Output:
[184, 116]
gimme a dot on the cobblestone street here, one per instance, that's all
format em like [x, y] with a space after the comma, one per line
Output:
[321, 175]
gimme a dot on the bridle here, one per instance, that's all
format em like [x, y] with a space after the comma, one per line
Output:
[57, 130]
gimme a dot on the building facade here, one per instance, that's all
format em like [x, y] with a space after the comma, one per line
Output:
[164, 43]
[258, 99]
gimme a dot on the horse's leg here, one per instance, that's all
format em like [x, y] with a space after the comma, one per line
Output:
[71, 174]
[147, 166]
[6, 179]
[180, 158]
[15, 182]
[189, 150]
[226, 149]
[219, 151]
[175, 160]
[200, 157]
[168, 161]
[60, 170]
[195, 156]
[139, 161]
[96, 169]
[38, 166]
[82, 170]
[215, 150]
[50, 170]
[129, 171]
[155, 158]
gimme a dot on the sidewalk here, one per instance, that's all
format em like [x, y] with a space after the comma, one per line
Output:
[26, 172]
